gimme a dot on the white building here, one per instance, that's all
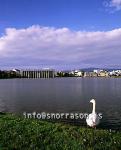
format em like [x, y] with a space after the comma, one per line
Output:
[37, 73]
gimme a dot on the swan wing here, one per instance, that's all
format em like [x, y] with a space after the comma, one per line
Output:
[92, 119]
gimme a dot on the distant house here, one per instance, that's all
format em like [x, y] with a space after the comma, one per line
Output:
[90, 74]
[94, 74]
[78, 73]
[103, 73]
[86, 74]
[115, 73]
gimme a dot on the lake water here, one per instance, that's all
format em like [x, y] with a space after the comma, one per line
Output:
[64, 95]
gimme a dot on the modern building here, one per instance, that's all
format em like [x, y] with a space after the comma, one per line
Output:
[37, 73]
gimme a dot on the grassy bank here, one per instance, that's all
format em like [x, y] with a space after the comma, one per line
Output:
[25, 134]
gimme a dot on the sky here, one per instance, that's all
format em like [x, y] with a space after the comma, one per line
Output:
[60, 34]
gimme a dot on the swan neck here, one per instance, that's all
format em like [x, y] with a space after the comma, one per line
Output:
[93, 110]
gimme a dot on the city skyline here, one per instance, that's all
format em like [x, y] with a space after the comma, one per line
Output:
[60, 35]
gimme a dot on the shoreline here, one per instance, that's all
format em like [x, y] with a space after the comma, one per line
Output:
[19, 133]
[65, 77]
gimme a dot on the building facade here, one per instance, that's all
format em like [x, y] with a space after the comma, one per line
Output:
[37, 73]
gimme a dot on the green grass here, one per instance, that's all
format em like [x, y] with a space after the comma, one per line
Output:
[17, 133]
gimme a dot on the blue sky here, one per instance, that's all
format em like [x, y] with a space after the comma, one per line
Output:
[80, 22]
[74, 14]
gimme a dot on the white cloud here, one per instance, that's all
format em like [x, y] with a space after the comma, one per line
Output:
[38, 45]
[115, 4]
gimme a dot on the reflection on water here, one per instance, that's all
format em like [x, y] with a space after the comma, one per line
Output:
[64, 95]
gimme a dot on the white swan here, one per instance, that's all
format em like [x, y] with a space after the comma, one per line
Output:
[93, 119]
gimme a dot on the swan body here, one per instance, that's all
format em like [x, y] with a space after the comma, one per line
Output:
[93, 119]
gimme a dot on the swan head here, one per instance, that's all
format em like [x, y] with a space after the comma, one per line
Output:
[92, 101]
